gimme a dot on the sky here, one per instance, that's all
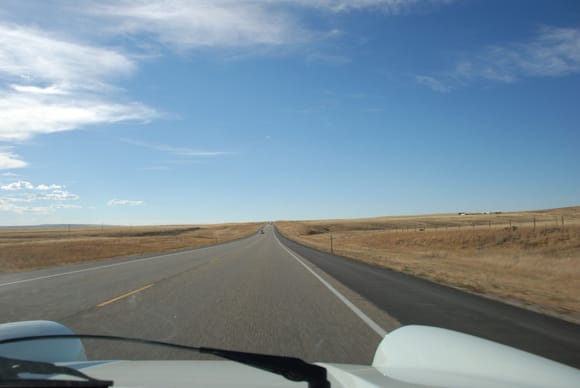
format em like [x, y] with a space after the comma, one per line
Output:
[188, 112]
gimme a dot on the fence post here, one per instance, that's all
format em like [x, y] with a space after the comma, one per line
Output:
[331, 244]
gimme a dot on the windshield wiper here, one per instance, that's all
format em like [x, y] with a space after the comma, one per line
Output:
[11, 370]
[294, 369]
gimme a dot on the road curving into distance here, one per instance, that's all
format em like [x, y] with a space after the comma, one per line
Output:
[267, 294]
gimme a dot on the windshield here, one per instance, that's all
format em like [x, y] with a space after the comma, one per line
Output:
[293, 178]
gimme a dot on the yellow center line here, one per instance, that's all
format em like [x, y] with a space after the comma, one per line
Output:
[124, 295]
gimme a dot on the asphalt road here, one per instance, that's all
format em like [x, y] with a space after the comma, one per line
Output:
[256, 295]
[250, 295]
[413, 300]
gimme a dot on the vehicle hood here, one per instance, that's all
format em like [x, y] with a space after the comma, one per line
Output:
[411, 356]
[225, 374]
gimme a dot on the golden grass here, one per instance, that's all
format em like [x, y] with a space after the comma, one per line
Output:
[32, 248]
[538, 267]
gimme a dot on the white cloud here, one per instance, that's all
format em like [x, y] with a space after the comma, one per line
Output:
[38, 90]
[55, 77]
[38, 56]
[56, 84]
[57, 195]
[8, 160]
[19, 185]
[48, 187]
[184, 24]
[7, 206]
[388, 6]
[65, 206]
[553, 52]
[124, 202]
[25, 185]
[178, 151]
[187, 24]
[42, 198]
[25, 116]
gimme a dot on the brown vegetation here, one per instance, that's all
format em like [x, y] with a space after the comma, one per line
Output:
[499, 255]
[31, 248]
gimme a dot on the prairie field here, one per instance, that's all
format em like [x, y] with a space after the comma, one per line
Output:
[32, 248]
[530, 259]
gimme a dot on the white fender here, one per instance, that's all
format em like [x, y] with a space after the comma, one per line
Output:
[431, 351]
[61, 350]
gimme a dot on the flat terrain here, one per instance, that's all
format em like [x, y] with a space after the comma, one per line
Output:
[249, 294]
[266, 294]
[528, 258]
[32, 248]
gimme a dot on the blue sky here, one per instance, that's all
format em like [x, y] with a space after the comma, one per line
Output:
[158, 112]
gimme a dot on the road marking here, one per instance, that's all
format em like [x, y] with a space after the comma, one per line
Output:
[124, 295]
[365, 318]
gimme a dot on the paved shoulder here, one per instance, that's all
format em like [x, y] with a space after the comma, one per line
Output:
[412, 300]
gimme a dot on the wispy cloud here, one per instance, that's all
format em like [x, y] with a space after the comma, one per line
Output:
[177, 151]
[19, 185]
[38, 56]
[55, 84]
[553, 52]
[55, 77]
[190, 24]
[184, 24]
[124, 202]
[9, 160]
[23, 197]
[433, 83]
[24, 116]
[393, 7]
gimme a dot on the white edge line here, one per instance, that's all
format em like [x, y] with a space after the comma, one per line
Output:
[365, 318]
[99, 267]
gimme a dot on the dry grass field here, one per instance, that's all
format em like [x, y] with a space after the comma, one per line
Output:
[31, 248]
[502, 256]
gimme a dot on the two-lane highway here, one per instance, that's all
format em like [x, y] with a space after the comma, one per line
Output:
[251, 295]
[267, 294]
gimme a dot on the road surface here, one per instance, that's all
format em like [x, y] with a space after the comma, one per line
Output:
[250, 295]
[258, 295]
[413, 300]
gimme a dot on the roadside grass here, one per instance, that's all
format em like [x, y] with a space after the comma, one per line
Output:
[536, 267]
[24, 249]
